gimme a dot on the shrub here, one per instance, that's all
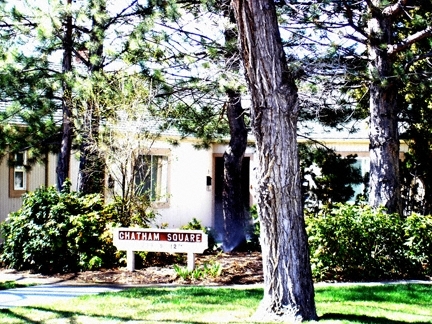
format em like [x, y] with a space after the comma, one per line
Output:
[356, 242]
[130, 211]
[352, 242]
[254, 230]
[418, 242]
[57, 232]
[195, 224]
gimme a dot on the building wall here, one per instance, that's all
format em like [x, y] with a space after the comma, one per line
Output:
[189, 195]
[6, 204]
[36, 177]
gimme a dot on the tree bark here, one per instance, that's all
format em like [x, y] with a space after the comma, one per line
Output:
[384, 138]
[288, 285]
[63, 164]
[234, 210]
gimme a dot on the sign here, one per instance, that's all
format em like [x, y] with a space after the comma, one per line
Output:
[160, 240]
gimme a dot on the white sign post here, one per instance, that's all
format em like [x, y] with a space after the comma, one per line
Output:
[160, 240]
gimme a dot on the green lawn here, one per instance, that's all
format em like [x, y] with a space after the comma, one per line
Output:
[394, 304]
[4, 285]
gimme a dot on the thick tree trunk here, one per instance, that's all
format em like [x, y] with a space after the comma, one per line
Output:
[63, 164]
[384, 139]
[234, 209]
[288, 285]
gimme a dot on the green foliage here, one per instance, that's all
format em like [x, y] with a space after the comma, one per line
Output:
[57, 232]
[207, 269]
[351, 242]
[327, 177]
[195, 224]
[132, 210]
[4, 285]
[418, 235]
[253, 240]
[182, 272]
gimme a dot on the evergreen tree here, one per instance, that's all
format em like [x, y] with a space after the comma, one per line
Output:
[65, 151]
[389, 33]
[28, 88]
[42, 88]
[213, 63]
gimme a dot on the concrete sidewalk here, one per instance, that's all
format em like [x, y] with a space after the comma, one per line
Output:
[46, 290]
[45, 294]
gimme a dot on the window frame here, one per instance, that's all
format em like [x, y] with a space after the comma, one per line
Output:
[164, 199]
[15, 168]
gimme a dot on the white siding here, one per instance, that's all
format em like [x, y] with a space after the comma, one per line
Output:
[36, 177]
[189, 196]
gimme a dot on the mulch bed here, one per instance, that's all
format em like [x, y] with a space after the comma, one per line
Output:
[238, 268]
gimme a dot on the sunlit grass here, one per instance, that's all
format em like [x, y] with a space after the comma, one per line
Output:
[394, 304]
[12, 284]
[391, 303]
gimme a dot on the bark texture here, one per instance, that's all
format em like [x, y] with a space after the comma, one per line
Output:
[288, 285]
[234, 209]
[384, 138]
[63, 164]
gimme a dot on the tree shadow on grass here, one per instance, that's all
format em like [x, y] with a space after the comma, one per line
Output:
[70, 315]
[11, 314]
[364, 319]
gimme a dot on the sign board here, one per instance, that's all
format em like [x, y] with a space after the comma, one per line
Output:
[159, 240]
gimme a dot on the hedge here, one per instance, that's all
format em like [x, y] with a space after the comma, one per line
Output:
[351, 242]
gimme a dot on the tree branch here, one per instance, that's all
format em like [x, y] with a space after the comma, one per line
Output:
[394, 9]
[416, 59]
[407, 42]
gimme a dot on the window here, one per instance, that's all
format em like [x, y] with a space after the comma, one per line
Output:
[363, 165]
[18, 176]
[151, 177]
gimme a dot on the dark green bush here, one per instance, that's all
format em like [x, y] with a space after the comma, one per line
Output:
[195, 224]
[57, 232]
[134, 210]
[418, 237]
[254, 231]
[350, 242]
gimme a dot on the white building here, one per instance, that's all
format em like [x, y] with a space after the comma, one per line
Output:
[189, 179]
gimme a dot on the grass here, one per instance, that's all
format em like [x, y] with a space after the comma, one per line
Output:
[393, 304]
[4, 285]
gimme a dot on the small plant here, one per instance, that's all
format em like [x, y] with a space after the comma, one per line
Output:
[213, 269]
[194, 224]
[207, 269]
[182, 272]
[198, 274]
